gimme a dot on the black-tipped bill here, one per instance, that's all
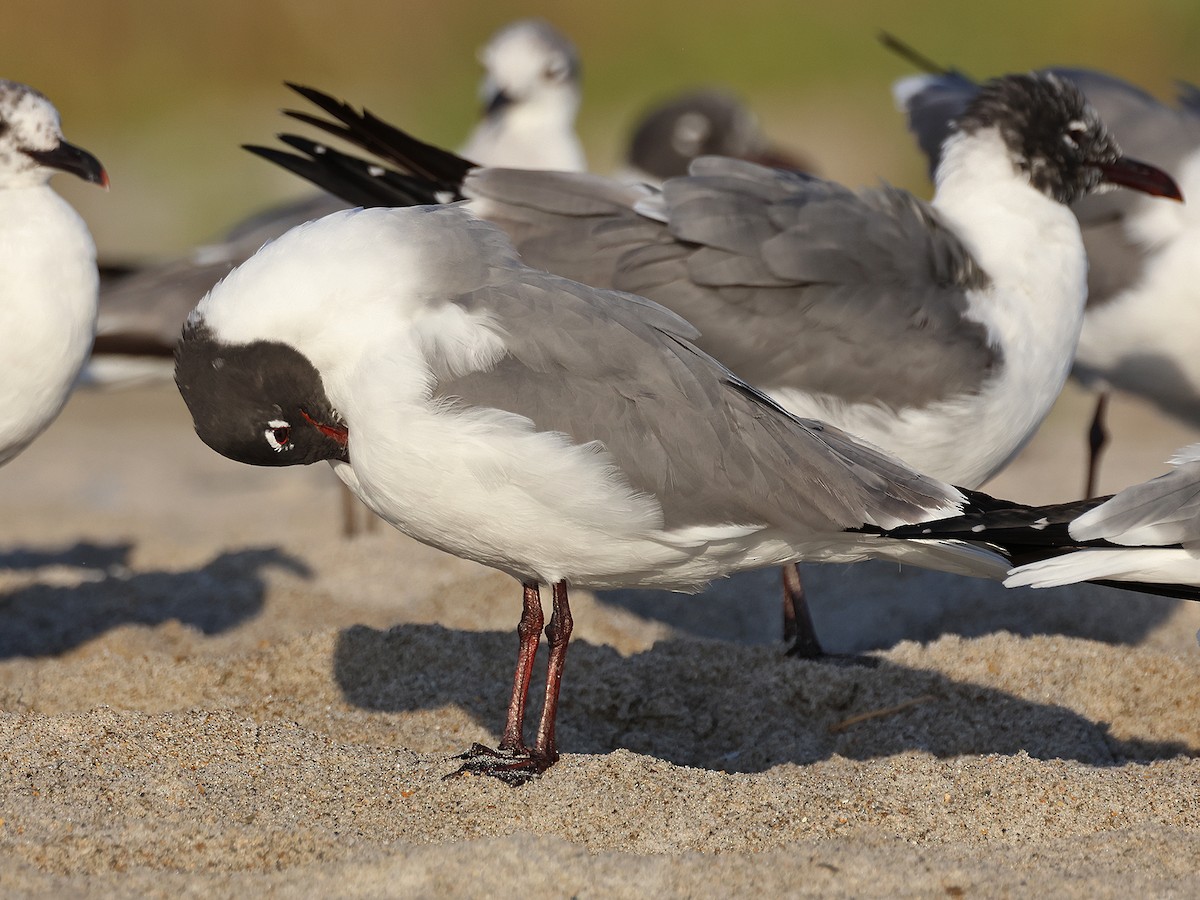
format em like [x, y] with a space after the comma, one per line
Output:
[69, 158]
[496, 102]
[1140, 176]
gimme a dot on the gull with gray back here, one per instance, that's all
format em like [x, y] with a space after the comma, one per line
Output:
[704, 122]
[566, 435]
[48, 277]
[939, 331]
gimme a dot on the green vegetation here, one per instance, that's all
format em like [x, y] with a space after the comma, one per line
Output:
[165, 92]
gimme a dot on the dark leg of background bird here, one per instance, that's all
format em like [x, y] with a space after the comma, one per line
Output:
[352, 508]
[513, 763]
[798, 628]
[349, 520]
[1097, 441]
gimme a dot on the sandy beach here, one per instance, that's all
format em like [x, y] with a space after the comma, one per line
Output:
[206, 691]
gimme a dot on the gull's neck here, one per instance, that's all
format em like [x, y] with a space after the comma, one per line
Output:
[1008, 225]
[538, 133]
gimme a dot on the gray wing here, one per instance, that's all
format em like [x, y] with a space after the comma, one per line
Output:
[1164, 510]
[143, 312]
[576, 225]
[793, 281]
[616, 369]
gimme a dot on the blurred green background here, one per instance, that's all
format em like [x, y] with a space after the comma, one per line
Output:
[164, 92]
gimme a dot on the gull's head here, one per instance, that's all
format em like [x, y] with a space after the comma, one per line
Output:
[1056, 138]
[32, 146]
[261, 403]
[264, 357]
[699, 123]
[529, 62]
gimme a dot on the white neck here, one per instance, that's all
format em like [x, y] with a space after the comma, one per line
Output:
[538, 133]
[1029, 245]
[1031, 248]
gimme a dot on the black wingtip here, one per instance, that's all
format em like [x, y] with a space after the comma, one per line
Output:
[354, 180]
[369, 132]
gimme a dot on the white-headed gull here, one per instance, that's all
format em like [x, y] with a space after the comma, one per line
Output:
[531, 92]
[48, 277]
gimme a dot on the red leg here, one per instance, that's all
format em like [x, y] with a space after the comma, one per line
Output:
[513, 763]
[558, 635]
[349, 510]
[529, 631]
[798, 626]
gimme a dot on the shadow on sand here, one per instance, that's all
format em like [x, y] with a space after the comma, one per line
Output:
[88, 590]
[744, 709]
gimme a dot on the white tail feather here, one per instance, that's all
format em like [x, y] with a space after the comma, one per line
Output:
[1151, 565]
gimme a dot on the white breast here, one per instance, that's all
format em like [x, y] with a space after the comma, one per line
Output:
[1031, 248]
[1144, 339]
[48, 285]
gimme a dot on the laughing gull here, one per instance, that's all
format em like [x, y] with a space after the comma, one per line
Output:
[563, 434]
[942, 332]
[1143, 312]
[703, 122]
[531, 93]
[48, 276]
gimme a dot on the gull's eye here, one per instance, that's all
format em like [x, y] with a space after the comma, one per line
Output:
[1075, 130]
[278, 435]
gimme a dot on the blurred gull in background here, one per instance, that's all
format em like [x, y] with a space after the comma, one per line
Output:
[703, 122]
[531, 95]
[531, 92]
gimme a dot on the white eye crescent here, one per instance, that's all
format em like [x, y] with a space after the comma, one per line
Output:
[278, 435]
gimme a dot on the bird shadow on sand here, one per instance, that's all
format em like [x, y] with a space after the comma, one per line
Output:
[875, 605]
[82, 591]
[99, 558]
[723, 707]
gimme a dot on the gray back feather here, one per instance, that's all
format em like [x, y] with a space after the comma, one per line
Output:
[793, 281]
